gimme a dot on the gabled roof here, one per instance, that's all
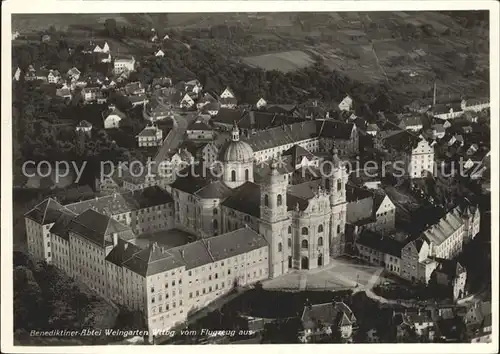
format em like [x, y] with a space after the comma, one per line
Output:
[245, 198]
[46, 212]
[84, 124]
[115, 111]
[329, 128]
[380, 243]
[149, 131]
[199, 125]
[278, 136]
[115, 204]
[297, 153]
[444, 228]
[61, 226]
[155, 259]
[96, 227]
[336, 314]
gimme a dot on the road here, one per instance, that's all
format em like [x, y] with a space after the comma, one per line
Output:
[175, 137]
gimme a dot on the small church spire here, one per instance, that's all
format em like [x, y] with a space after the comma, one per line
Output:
[236, 132]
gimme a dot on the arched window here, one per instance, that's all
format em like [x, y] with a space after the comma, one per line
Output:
[215, 224]
[229, 225]
[215, 211]
[289, 242]
[320, 228]
[246, 175]
[280, 247]
[305, 231]
[305, 244]
[338, 229]
[320, 241]
[327, 184]
[279, 200]
[289, 229]
[339, 185]
[266, 200]
[233, 176]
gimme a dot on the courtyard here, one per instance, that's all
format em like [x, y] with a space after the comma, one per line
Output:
[341, 274]
[165, 238]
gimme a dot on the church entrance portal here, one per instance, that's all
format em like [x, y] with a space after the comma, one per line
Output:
[320, 260]
[305, 263]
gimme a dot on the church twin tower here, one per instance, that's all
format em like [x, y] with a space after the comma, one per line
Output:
[303, 232]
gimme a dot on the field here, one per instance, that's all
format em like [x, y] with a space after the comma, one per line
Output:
[283, 61]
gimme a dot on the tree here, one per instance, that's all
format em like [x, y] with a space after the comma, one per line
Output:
[110, 27]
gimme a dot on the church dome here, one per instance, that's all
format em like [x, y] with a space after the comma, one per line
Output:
[236, 150]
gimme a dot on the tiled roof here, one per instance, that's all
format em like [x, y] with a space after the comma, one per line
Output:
[278, 136]
[402, 141]
[234, 243]
[133, 87]
[355, 193]
[96, 227]
[214, 190]
[149, 131]
[450, 267]
[117, 112]
[334, 129]
[280, 108]
[446, 226]
[411, 120]
[155, 259]
[228, 100]
[137, 98]
[297, 153]
[199, 125]
[125, 202]
[306, 190]
[328, 314]
[380, 243]
[123, 251]
[46, 212]
[84, 124]
[190, 182]
[61, 226]
[245, 198]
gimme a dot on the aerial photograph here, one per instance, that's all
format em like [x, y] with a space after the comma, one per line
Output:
[251, 178]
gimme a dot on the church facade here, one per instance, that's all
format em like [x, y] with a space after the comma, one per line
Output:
[304, 223]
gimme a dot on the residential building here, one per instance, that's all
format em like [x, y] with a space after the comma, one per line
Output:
[384, 212]
[199, 130]
[227, 99]
[346, 104]
[17, 74]
[124, 64]
[451, 274]
[260, 103]
[54, 77]
[413, 153]
[113, 117]
[150, 136]
[475, 104]
[322, 319]
[73, 74]
[84, 127]
[159, 53]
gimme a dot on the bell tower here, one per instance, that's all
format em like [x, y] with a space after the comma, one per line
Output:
[274, 221]
[335, 183]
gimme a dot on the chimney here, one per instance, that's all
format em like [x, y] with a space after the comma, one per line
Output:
[182, 253]
[126, 245]
[115, 239]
